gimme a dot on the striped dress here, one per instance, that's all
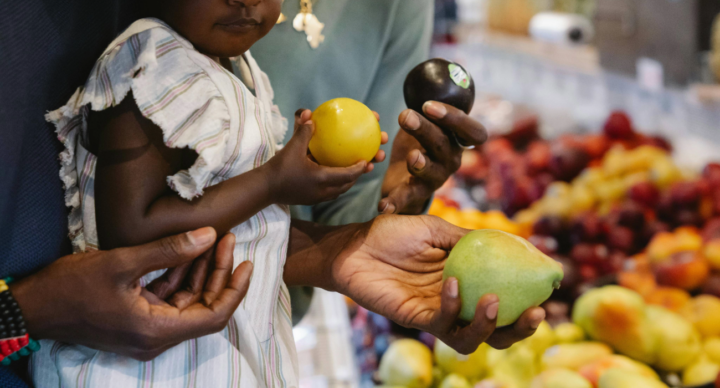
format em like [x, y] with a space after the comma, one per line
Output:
[200, 105]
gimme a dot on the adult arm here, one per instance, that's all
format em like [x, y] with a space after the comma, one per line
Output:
[393, 265]
[408, 44]
[95, 299]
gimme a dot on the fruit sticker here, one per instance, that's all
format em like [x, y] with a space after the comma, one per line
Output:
[459, 76]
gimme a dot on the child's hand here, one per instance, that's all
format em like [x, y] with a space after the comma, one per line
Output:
[297, 179]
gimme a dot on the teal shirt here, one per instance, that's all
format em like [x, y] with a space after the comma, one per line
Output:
[369, 47]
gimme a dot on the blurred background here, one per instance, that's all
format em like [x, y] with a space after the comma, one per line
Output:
[604, 120]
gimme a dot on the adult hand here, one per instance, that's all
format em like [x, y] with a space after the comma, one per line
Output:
[425, 154]
[95, 299]
[394, 267]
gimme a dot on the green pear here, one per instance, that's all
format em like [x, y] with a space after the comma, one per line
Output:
[455, 381]
[490, 261]
[560, 378]
[679, 341]
[620, 378]
[406, 363]
[472, 366]
[617, 316]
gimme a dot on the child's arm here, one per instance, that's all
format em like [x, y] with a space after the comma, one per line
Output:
[134, 204]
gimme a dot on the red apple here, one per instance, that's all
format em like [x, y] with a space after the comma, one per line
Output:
[686, 270]
[566, 163]
[596, 145]
[621, 238]
[645, 193]
[538, 157]
[619, 126]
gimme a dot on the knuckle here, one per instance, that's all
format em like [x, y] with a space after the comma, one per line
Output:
[171, 247]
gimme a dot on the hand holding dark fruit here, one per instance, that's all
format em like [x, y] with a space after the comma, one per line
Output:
[439, 80]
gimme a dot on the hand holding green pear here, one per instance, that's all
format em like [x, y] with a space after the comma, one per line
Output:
[490, 261]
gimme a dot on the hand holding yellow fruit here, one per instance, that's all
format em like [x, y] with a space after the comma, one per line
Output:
[346, 132]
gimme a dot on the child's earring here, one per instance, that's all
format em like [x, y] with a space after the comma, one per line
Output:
[282, 17]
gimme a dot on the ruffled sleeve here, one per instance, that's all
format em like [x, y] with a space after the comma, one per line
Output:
[170, 88]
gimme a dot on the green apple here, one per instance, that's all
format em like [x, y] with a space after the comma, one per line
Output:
[489, 261]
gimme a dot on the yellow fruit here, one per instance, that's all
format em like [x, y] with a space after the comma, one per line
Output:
[679, 343]
[592, 372]
[498, 220]
[406, 363]
[700, 372]
[573, 356]
[704, 312]
[611, 190]
[560, 378]
[471, 367]
[712, 253]
[581, 198]
[619, 378]
[455, 381]
[711, 347]
[543, 338]
[569, 332]
[346, 132]
[664, 173]
[516, 368]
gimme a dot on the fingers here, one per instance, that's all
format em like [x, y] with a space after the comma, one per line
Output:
[301, 117]
[449, 307]
[339, 176]
[301, 137]
[169, 282]
[384, 137]
[524, 327]
[444, 234]
[377, 115]
[169, 252]
[407, 198]
[467, 339]
[449, 118]
[221, 270]
[379, 157]
[199, 320]
[436, 142]
[426, 169]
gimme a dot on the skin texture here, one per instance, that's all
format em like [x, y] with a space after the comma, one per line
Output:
[425, 155]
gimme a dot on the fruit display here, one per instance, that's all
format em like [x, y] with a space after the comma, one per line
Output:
[489, 261]
[617, 341]
[346, 132]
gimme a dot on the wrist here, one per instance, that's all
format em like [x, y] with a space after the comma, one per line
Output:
[269, 173]
[35, 311]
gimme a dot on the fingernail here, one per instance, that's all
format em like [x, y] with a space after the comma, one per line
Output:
[435, 109]
[384, 207]
[454, 288]
[201, 237]
[492, 311]
[536, 322]
[412, 122]
[419, 162]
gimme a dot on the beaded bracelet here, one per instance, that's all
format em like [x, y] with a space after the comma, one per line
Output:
[14, 339]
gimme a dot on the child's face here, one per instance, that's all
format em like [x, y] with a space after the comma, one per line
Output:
[221, 28]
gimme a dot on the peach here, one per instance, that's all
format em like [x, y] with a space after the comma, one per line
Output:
[641, 282]
[712, 253]
[673, 299]
[686, 270]
[704, 312]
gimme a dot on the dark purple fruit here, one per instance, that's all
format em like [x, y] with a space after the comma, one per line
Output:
[439, 80]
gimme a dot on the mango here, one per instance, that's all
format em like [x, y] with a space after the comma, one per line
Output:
[560, 378]
[593, 371]
[495, 262]
[711, 347]
[619, 378]
[574, 356]
[704, 312]
[543, 338]
[406, 363]
[616, 316]
[516, 368]
[678, 342]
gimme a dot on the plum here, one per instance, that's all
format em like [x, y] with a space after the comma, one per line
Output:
[568, 162]
[439, 80]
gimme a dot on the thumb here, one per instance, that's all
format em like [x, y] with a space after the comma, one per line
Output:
[169, 252]
[402, 198]
[444, 234]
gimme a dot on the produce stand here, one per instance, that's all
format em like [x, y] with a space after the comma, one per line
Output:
[613, 176]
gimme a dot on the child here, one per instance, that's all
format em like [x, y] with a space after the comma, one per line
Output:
[164, 138]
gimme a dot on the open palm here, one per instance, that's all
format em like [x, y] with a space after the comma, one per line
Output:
[395, 269]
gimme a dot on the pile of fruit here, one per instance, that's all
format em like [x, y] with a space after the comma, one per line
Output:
[616, 340]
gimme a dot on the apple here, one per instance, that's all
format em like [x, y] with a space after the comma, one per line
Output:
[596, 145]
[687, 270]
[537, 157]
[645, 193]
[619, 126]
